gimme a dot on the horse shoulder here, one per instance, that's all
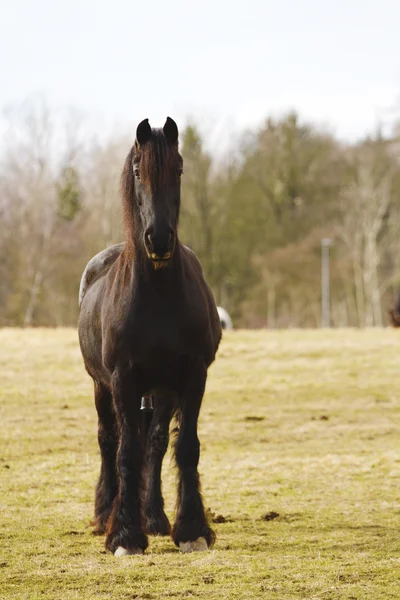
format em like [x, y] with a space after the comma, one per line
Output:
[98, 266]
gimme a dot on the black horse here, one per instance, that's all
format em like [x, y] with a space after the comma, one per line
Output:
[148, 325]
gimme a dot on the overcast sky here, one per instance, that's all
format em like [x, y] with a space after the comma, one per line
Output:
[222, 61]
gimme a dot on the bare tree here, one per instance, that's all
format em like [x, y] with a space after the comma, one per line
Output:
[36, 154]
[365, 207]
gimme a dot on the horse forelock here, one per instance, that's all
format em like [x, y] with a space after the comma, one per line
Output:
[158, 161]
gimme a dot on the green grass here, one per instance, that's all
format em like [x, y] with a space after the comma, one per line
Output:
[302, 423]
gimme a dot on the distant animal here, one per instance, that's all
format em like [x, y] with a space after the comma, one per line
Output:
[226, 321]
[394, 313]
[148, 328]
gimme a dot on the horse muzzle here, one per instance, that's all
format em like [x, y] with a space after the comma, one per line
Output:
[159, 251]
[158, 262]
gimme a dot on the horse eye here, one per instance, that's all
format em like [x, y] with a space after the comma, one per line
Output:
[136, 173]
[180, 172]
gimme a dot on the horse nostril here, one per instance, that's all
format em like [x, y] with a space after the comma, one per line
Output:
[147, 239]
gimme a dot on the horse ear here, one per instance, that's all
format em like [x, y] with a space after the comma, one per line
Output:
[171, 131]
[143, 132]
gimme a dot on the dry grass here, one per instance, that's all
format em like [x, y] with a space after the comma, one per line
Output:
[305, 424]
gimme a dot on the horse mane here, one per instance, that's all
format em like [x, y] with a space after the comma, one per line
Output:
[127, 187]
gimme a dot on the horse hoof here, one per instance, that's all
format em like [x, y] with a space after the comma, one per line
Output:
[120, 551]
[199, 545]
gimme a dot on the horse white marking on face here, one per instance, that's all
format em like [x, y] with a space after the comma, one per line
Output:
[199, 545]
[120, 551]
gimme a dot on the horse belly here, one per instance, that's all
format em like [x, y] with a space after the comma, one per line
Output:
[162, 352]
[163, 370]
[90, 337]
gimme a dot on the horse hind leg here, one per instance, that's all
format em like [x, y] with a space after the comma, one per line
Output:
[107, 485]
[156, 446]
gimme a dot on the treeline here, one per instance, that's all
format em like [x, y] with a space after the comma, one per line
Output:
[255, 219]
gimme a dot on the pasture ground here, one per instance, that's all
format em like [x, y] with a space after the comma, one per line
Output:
[304, 424]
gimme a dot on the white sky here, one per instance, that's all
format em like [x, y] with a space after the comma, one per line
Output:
[229, 63]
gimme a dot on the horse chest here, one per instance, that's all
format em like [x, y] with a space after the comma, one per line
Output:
[158, 328]
[164, 331]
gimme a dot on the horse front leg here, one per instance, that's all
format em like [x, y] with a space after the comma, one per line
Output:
[157, 443]
[191, 531]
[125, 533]
[107, 434]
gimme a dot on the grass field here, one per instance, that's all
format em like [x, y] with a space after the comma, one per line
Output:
[303, 424]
